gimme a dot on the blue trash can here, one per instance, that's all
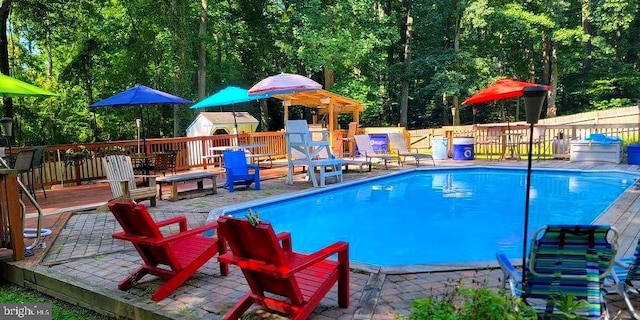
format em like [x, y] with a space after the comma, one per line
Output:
[440, 147]
[633, 154]
[463, 148]
[380, 142]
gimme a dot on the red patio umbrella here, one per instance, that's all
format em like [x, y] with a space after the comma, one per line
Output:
[501, 89]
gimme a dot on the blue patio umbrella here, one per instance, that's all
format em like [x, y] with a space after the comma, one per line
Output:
[140, 95]
[229, 96]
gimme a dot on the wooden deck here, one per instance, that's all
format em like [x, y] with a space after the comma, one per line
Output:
[90, 196]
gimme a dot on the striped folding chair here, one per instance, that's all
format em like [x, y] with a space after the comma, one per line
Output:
[566, 260]
[626, 277]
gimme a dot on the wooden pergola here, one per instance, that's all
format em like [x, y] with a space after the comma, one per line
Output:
[325, 103]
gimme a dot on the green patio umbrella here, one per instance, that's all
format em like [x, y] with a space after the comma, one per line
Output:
[12, 87]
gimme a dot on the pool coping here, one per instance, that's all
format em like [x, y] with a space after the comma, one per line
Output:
[606, 217]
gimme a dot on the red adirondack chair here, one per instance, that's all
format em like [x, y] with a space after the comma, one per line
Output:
[300, 280]
[181, 254]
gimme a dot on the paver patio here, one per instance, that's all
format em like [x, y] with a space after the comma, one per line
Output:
[83, 264]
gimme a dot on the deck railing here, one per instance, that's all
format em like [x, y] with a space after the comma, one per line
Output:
[60, 168]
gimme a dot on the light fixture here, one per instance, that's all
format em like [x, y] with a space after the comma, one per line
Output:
[7, 126]
[533, 99]
[7, 129]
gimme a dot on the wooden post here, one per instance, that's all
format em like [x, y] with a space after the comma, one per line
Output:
[10, 211]
[77, 164]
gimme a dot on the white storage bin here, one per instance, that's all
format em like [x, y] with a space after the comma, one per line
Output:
[593, 151]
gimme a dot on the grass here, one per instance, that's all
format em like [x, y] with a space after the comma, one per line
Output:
[11, 293]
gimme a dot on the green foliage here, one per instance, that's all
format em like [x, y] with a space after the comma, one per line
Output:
[87, 50]
[10, 293]
[253, 218]
[567, 305]
[469, 304]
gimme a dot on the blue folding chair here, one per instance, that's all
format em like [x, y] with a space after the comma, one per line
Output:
[237, 170]
[566, 260]
[626, 277]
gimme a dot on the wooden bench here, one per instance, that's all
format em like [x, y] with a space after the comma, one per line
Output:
[185, 177]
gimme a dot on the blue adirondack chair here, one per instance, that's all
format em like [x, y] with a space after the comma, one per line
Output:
[237, 170]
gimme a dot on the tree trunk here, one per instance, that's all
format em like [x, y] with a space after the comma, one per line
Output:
[404, 103]
[455, 107]
[328, 78]
[586, 28]
[546, 57]
[47, 46]
[552, 109]
[5, 10]
[264, 115]
[202, 53]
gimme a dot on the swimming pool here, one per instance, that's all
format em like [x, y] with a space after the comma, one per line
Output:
[438, 216]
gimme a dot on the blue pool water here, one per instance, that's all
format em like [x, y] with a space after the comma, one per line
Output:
[439, 216]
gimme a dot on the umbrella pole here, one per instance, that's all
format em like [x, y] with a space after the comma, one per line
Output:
[235, 122]
[144, 131]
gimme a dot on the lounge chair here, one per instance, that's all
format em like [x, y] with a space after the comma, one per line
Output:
[364, 147]
[299, 138]
[625, 276]
[175, 257]
[565, 259]
[119, 172]
[238, 171]
[399, 145]
[279, 278]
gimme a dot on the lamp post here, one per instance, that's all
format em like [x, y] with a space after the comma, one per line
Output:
[7, 129]
[138, 124]
[533, 98]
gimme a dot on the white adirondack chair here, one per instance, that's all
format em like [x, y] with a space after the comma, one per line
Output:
[119, 172]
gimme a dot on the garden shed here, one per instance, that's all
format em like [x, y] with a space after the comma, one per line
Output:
[210, 123]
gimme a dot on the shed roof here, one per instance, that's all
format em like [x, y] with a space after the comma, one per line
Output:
[320, 99]
[227, 117]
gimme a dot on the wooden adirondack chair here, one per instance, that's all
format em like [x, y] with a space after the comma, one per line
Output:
[180, 254]
[299, 280]
[119, 172]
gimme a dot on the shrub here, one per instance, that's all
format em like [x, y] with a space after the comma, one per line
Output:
[471, 304]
